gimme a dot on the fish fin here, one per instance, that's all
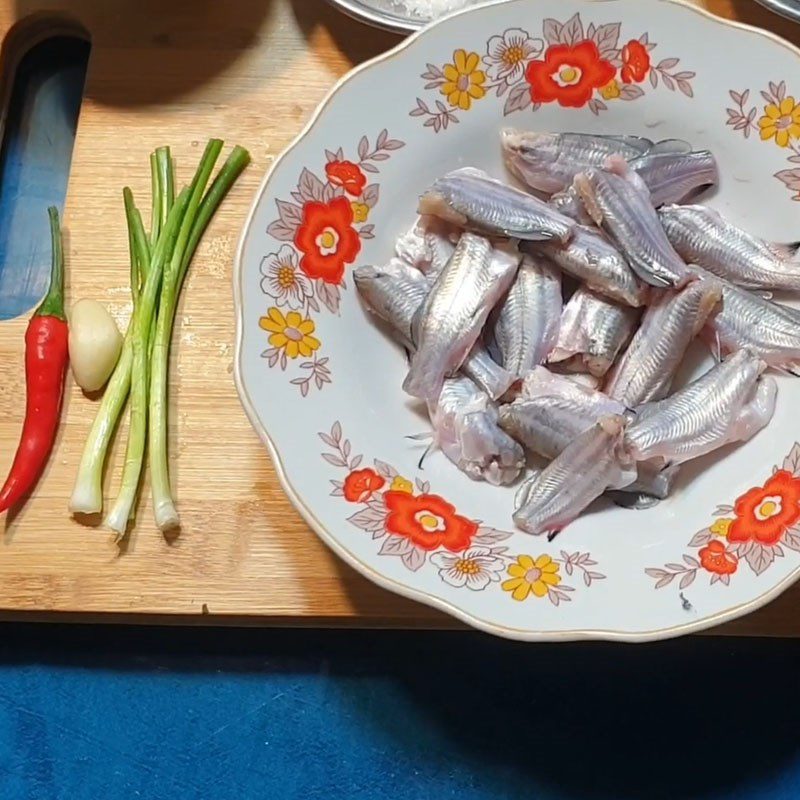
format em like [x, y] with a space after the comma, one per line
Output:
[785, 251]
[420, 437]
[431, 448]
[583, 188]
[633, 501]
[790, 372]
[552, 535]
[717, 351]
[640, 143]
[672, 146]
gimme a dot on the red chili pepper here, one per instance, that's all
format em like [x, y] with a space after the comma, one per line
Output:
[46, 358]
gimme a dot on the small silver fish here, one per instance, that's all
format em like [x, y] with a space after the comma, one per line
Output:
[621, 207]
[646, 369]
[469, 198]
[527, 324]
[727, 404]
[454, 313]
[553, 411]
[703, 237]
[591, 258]
[395, 293]
[675, 177]
[747, 321]
[593, 332]
[428, 246]
[593, 463]
[465, 428]
[549, 162]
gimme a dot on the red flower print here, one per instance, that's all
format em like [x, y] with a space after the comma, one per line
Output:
[360, 485]
[347, 175]
[568, 74]
[327, 239]
[765, 513]
[428, 521]
[635, 62]
[716, 558]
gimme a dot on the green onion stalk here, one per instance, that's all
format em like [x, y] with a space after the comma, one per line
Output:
[141, 326]
[198, 215]
[157, 204]
[158, 267]
[87, 495]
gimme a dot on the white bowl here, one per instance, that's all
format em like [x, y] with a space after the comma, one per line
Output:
[328, 404]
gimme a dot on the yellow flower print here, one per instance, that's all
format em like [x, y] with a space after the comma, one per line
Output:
[781, 122]
[463, 80]
[530, 575]
[611, 91]
[291, 333]
[400, 484]
[721, 527]
[360, 211]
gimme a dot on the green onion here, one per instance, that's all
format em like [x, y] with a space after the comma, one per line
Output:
[141, 326]
[166, 514]
[158, 268]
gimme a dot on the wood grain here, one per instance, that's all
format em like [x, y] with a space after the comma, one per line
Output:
[251, 71]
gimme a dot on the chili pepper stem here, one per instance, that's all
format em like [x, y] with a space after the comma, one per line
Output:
[53, 303]
[165, 512]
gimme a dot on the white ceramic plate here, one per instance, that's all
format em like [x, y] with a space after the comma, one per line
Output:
[321, 383]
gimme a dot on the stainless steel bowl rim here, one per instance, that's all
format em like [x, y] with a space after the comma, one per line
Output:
[788, 8]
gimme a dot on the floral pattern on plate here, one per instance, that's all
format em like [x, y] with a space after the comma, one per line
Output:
[321, 227]
[570, 64]
[421, 528]
[754, 531]
[777, 121]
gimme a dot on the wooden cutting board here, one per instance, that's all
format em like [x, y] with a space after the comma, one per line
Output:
[179, 72]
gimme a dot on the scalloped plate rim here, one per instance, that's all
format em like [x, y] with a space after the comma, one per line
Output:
[330, 540]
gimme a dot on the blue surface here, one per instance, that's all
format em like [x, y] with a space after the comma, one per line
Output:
[89, 713]
[34, 166]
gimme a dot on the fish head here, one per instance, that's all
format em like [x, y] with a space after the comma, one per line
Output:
[537, 149]
[532, 157]
[379, 285]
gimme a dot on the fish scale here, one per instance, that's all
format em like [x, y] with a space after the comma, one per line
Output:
[591, 258]
[395, 293]
[453, 315]
[621, 207]
[469, 198]
[647, 368]
[704, 416]
[529, 318]
[590, 465]
[746, 320]
[549, 162]
[672, 177]
[703, 237]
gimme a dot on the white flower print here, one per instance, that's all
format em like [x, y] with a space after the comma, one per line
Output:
[283, 280]
[475, 568]
[507, 55]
